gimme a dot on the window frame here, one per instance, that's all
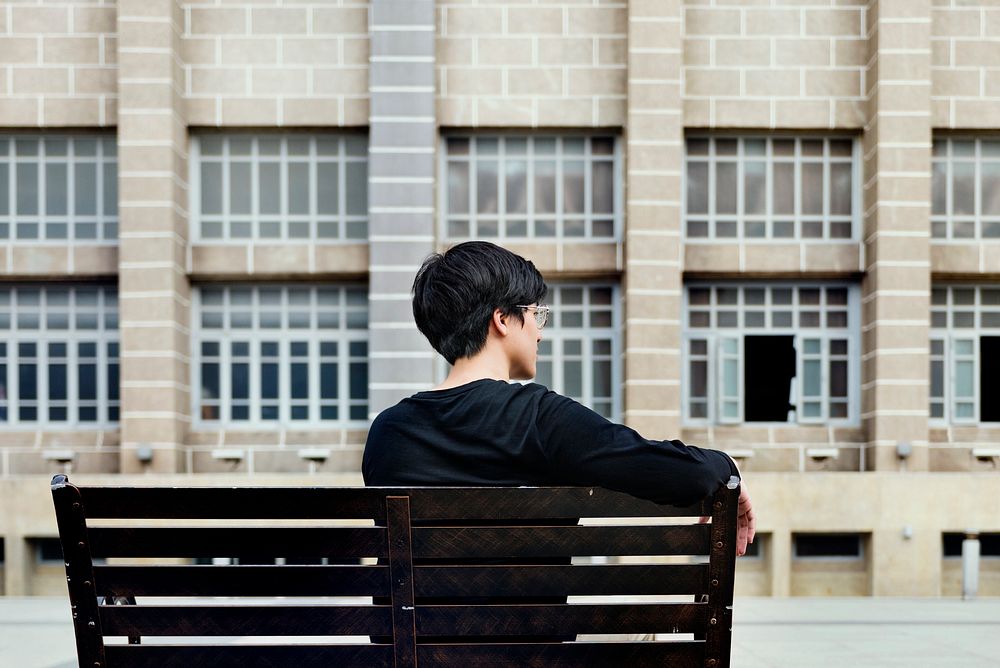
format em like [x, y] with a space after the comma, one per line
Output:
[254, 219]
[860, 557]
[105, 160]
[530, 217]
[768, 217]
[947, 219]
[284, 335]
[108, 355]
[715, 336]
[949, 336]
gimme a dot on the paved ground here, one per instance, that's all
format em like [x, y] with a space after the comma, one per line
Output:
[769, 633]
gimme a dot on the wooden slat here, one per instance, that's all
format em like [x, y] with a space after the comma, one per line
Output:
[553, 620]
[537, 542]
[575, 654]
[245, 542]
[243, 580]
[404, 632]
[249, 656]
[449, 581]
[445, 503]
[232, 620]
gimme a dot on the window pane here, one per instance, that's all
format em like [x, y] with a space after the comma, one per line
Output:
[812, 188]
[840, 189]
[573, 187]
[603, 187]
[270, 188]
[458, 187]
[784, 188]
[697, 190]
[27, 188]
[211, 188]
[991, 188]
[754, 187]
[963, 189]
[56, 189]
[357, 188]
[298, 188]
[486, 186]
[545, 187]
[725, 187]
[239, 188]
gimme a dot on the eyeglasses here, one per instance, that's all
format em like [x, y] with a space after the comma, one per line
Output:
[541, 313]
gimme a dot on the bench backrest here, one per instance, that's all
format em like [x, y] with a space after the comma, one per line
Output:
[458, 576]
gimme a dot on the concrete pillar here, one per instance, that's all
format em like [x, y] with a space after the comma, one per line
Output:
[897, 185]
[781, 563]
[401, 181]
[654, 136]
[16, 571]
[153, 288]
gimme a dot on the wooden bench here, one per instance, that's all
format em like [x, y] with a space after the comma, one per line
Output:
[420, 550]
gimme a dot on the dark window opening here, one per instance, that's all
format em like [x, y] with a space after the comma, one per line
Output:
[48, 550]
[769, 368]
[827, 545]
[754, 548]
[951, 544]
[2, 554]
[989, 378]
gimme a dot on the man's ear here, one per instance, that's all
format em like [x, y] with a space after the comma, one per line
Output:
[499, 322]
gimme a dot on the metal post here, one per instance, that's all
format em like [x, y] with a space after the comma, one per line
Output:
[970, 565]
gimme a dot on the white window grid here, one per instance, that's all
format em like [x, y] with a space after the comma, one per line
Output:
[824, 320]
[597, 218]
[960, 315]
[965, 201]
[312, 340]
[59, 357]
[320, 183]
[58, 189]
[757, 221]
[579, 355]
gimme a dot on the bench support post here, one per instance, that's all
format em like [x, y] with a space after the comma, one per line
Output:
[397, 511]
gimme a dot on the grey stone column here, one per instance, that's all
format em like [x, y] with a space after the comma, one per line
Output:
[401, 181]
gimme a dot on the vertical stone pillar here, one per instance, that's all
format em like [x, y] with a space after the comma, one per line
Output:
[781, 562]
[153, 287]
[654, 139]
[16, 569]
[401, 181]
[897, 186]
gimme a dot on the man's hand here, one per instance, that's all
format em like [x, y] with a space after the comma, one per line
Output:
[746, 522]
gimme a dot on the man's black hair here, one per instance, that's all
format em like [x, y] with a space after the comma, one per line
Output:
[456, 292]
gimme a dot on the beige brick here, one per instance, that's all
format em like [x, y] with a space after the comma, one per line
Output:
[802, 114]
[208, 260]
[590, 258]
[898, 66]
[773, 22]
[70, 50]
[147, 65]
[992, 23]
[43, 20]
[711, 21]
[970, 113]
[218, 81]
[565, 111]
[597, 20]
[201, 111]
[473, 21]
[340, 81]
[505, 51]
[984, 52]
[286, 81]
[340, 20]
[314, 51]
[95, 80]
[355, 112]
[850, 113]
[350, 258]
[699, 81]
[94, 20]
[41, 80]
[654, 35]
[743, 52]
[110, 50]
[711, 257]
[18, 50]
[850, 52]
[474, 81]
[597, 82]
[146, 96]
[962, 83]
[802, 52]
[535, 20]
[198, 51]
[280, 260]
[612, 112]
[658, 66]
[146, 34]
[535, 81]
[40, 261]
[249, 51]
[844, 22]
[455, 51]
[249, 111]
[833, 83]
[903, 35]
[697, 52]
[218, 21]
[284, 21]
[955, 23]
[95, 260]
[772, 82]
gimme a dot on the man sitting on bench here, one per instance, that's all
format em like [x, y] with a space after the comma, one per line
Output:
[479, 429]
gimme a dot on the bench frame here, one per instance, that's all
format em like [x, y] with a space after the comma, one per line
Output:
[402, 509]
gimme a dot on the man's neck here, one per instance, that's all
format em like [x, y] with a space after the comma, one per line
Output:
[484, 365]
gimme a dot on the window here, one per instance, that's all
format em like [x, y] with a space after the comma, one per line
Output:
[989, 545]
[279, 187]
[281, 355]
[47, 550]
[58, 188]
[965, 354]
[771, 353]
[517, 187]
[58, 356]
[827, 546]
[579, 353]
[966, 189]
[770, 188]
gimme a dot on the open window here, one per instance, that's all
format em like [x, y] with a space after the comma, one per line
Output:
[769, 368]
[989, 378]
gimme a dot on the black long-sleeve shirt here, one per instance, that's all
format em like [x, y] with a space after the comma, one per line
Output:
[493, 433]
